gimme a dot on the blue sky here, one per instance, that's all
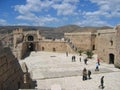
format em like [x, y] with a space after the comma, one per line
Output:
[55, 13]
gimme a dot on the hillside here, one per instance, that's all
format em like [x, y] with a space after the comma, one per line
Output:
[51, 32]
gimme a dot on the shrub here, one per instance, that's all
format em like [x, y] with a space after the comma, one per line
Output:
[89, 53]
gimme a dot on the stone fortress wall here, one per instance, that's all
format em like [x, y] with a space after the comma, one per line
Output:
[11, 75]
[105, 45]
[102, 42]
[33, 41]
[81, 40]
[117, 49]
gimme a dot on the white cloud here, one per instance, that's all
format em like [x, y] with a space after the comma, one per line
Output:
[3, 22]
[33, 8]
[92, 21]
[65, 7]
[29, 10]
[107, 8]
[38, 20]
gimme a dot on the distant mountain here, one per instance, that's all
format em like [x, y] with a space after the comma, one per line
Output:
[52, 32]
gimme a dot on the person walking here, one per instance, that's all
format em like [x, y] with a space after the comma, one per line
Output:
[98, 60]
[89, 74]
[85, 61]
[84, 74]
[101, 82]
[97, 67]
[80, 59]
[66, 53]
[72, 58]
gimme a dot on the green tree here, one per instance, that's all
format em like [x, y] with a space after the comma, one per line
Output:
[80, 52]
[89, 53]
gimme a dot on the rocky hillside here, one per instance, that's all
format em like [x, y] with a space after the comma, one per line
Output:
[51, 32]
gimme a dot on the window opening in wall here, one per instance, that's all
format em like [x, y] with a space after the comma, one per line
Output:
[93, 47]
[30, 38]
[43, 48]
[54, 49]
[111, 42]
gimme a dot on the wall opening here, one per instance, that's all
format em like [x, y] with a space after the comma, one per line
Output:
[111, 58]
[30, 38]
[43, 48]
[111, 42]
[31, 47]
[54, 49]
[93, 47]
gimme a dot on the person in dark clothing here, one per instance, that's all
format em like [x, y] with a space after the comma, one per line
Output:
[66, 53]
[85, 61]
[72, 58]
[80, 59]
[102, 82]
[84, 74]
[89, 74]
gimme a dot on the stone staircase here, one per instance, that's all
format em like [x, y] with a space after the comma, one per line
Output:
[71, 45]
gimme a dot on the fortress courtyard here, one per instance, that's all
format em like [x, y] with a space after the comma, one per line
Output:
[56, 71]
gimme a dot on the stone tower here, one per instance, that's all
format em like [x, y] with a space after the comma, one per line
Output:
[17, 37]
[117, 63]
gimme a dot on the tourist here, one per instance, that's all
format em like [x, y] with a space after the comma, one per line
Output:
[98, 60]
[97, 67]
[84, 74]
[85, 61]
[72, 58]
[101, 82]
[66, 53]
[80, 59]
[89, 74]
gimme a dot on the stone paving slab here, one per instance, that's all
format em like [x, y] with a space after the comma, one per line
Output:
[50, 69]
[48, 75]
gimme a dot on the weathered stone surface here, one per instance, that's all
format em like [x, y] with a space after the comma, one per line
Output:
[11, 75]
[117, 62]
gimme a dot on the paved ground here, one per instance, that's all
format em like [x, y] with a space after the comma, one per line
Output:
[55, 71]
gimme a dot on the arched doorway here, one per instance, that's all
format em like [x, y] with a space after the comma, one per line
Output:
[93, 47]
[30, 38]
[43, 48]
[111, 58]
[31, 47]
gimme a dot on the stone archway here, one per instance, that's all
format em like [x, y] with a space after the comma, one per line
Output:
[111, 58]
[31, 47]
